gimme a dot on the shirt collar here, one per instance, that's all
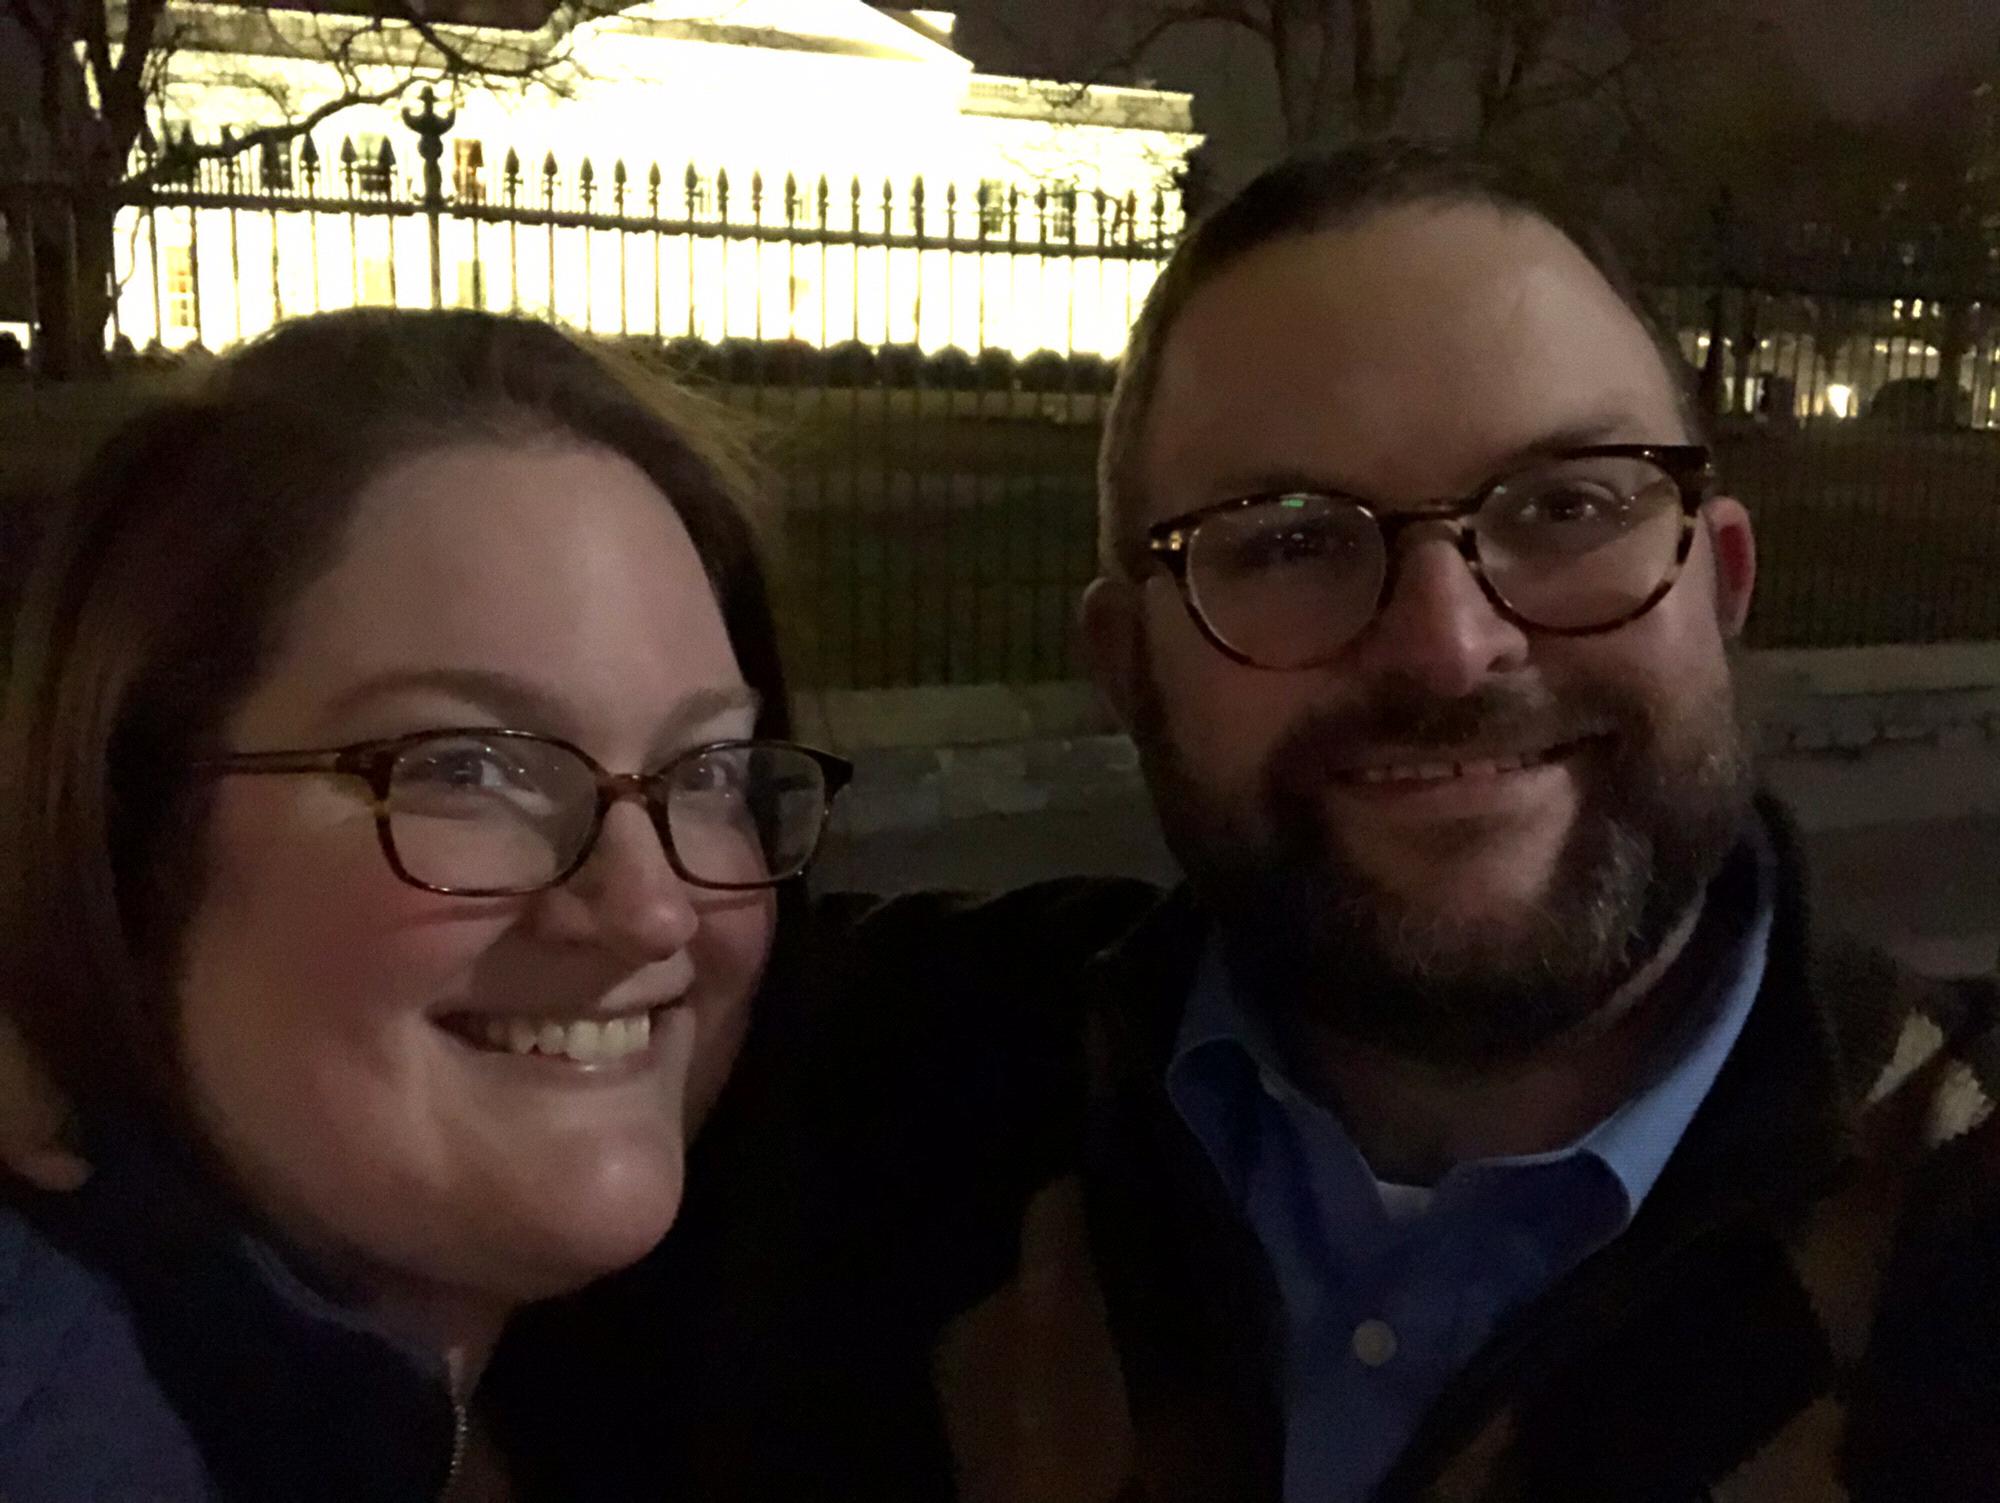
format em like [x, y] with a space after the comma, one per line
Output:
[1635, 1141]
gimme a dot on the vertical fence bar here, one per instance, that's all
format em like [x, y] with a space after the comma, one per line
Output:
[309, 162]
[386, 168]
[549, 206]
[349, 161]
[277, 285]
[618, 208]
[231, 171]
[855, 534]
[587, 182]
[887, 500]
[153, 254]
[722, 228]
[693, 186]
[510, 185]
[758, 371]
[653, 213]
[194, 272]
[930, 537]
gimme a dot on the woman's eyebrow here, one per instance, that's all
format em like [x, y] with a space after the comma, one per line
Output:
[525, 705]
[506, 696]
[708, 704]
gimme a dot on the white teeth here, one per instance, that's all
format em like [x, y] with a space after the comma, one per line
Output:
[1437, 772]
[587, 1041]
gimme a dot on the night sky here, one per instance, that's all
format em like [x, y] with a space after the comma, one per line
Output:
[1862, 57]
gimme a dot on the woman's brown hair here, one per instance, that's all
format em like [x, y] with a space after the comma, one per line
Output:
[160, 590]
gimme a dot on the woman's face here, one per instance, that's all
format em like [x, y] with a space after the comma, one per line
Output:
[334, 1020]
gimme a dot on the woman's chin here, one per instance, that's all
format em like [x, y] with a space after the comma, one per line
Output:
[556, 1243]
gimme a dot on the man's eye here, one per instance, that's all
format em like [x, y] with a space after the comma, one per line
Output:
[1572, 505]
[1286, 545]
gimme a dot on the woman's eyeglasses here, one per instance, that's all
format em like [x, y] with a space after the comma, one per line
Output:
[500, 813]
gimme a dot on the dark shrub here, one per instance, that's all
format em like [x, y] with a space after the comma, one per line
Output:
[1091, 372]
[951, 369]
[794, 362]
[998, 370]
[1044, 371]
[692, 358]
[850, 363]
[900, 364]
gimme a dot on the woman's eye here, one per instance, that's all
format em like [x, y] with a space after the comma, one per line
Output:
[712, 775]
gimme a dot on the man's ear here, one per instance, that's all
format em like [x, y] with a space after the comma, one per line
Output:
[1735, 546]
[1108, 623]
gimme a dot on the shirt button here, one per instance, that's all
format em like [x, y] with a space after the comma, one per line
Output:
[1374, 1343]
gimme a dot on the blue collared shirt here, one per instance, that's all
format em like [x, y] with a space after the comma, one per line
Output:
[1389, 1292]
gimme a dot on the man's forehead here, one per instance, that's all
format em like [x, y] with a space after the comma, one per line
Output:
[1416, 349]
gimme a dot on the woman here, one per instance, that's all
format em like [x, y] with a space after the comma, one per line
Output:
[399, 820]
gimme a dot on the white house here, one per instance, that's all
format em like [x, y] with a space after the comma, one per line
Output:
[1038, 197]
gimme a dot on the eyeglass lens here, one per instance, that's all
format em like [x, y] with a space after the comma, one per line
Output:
[509, 814]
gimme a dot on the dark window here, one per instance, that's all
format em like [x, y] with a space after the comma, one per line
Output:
[993, 218]
[274, 166]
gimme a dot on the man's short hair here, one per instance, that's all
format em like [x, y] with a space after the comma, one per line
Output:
[1305, 195]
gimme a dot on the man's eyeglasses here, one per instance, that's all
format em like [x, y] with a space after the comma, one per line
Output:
[1585, 541]
[499, 813]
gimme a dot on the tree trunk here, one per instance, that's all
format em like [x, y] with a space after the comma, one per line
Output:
[73, 244]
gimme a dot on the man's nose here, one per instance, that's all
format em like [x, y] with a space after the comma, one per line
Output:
[1438, 628]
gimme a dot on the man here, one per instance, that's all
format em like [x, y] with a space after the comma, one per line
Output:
[1484, 1121]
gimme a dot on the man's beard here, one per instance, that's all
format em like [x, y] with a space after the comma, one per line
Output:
[1313, 939]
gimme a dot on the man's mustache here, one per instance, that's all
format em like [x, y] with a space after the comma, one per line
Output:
[1401, 715]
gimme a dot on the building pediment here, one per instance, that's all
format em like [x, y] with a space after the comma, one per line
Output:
[840, 27]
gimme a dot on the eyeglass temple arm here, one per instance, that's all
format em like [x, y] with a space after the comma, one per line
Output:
[327, 761]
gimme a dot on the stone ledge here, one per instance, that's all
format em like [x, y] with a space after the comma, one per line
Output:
[932, 756]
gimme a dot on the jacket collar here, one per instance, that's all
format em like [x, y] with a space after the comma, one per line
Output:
[287, 1392]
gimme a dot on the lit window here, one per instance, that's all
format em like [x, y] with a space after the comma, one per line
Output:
[180, 287]
[468, 171]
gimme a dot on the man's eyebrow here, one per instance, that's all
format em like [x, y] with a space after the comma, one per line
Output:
[523, 705]
[1280, 479]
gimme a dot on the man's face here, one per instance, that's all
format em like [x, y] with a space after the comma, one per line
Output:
[1575, 793]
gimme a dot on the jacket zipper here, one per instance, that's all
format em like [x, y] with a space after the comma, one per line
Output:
[461, 1432]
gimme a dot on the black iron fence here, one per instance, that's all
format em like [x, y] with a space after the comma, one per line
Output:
[929, 363]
